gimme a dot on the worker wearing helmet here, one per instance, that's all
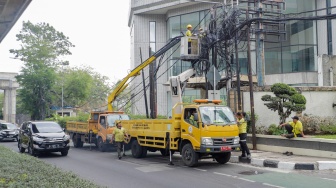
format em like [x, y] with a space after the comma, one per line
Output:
[118, 136]
[189, 34]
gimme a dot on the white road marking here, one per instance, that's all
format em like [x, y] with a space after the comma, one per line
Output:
[247, 180]
[329, 179]
[228, 175]
[200, 169]
[267, 184]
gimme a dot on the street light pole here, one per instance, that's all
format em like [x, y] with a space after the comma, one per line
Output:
[63, 63]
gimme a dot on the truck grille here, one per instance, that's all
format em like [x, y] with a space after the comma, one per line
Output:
[222, 141]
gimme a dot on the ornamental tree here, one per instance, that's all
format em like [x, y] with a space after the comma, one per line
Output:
[286, 101]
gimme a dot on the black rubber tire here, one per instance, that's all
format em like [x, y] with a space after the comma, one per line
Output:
[31, 151]
[21, 149]
[144, 152]
[136, 149]
[77, 142]
[165, 152]
[223, 157]
[101, 145]
[64, 153]
[189, 156]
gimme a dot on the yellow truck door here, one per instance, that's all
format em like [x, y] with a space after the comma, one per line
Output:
[190, 128]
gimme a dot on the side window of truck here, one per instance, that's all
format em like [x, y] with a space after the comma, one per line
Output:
[189, 114]
[102, 121]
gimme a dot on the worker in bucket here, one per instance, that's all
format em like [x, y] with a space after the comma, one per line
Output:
[189, 34]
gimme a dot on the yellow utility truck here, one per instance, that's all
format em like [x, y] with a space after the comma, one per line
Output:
[204, 129]
[97, 130]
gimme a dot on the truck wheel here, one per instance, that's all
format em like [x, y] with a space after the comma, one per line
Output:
[144, 152]
[165, 152]
[101, 145]
[189, 156]
[77, 142]
[223, 157]
[136, 149]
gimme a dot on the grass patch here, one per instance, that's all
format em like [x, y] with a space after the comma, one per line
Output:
[331, 136]
[20, 170]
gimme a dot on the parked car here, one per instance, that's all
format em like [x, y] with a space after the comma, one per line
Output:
[42, 137]
[8, 131]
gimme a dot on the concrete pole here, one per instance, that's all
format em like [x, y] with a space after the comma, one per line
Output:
[260, 48]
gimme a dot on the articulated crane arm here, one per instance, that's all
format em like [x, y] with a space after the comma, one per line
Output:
[135, 72]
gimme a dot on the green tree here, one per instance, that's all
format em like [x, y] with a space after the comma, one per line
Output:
[41, 50]
[286, 101]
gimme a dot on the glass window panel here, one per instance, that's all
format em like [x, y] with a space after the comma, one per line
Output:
[152, 31]
[192, 18]
[153, 47]
[174, 28]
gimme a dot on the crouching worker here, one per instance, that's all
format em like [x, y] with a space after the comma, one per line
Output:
[242, 125]
[294, 128]
[118, 136]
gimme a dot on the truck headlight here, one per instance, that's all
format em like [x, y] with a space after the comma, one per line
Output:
[207, 141]
[66, 137]
[236, 140]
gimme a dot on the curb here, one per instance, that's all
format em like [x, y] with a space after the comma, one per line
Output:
[318, 165]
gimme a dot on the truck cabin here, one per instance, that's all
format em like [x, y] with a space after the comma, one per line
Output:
[108, 120]
[209, 113]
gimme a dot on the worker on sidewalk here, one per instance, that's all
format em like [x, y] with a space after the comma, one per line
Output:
[294, 128]
[118, 136]
[242, 125]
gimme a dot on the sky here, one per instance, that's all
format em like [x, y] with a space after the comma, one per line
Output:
[98, 29]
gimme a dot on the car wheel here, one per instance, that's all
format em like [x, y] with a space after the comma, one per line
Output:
[64, 153]
[101, 145]
[223, 157]
[31, 150]
[21, 149]
[189, 156]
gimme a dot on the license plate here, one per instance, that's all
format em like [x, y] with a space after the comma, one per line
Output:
[54, 146]
[10, 136]
[226, 148]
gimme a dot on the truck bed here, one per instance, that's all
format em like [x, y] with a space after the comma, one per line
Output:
[82, 127]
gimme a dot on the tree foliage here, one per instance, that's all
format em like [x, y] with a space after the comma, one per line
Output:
[286, 101]
[41, 50]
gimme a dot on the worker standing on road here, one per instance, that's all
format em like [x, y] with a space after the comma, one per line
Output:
[242, 125]
[294, 128]
[118, 136]
[189, 34]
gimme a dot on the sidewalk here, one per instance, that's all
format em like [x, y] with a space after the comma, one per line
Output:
[282, 161]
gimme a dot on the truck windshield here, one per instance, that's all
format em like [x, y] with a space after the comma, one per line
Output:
[113, 117]
[217, 115]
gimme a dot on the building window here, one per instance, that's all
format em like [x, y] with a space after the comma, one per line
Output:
[152, 36]
[329, 29]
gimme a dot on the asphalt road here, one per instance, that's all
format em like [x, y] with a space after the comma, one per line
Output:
[152, 172]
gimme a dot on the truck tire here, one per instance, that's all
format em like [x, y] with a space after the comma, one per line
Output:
[223, 157]
[21, 149]
[101, 145]
[189, 156]
[77, 142]
[144, 152]
[136, 149]
[165, 152]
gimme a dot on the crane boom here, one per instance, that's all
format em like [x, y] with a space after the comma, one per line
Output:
[135, 72]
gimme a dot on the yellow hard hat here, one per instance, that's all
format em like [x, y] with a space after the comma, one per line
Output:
[118, 121]
[188, 26]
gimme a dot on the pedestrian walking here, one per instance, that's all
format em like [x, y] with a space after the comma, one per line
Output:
[118, 135]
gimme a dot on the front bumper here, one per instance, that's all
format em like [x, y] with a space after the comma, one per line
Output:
[52, 147]
[218, 149]
[8, 136]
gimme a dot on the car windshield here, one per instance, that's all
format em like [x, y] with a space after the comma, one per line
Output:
[218, 115]
[113, 117]
[46, 127]
[8, 126]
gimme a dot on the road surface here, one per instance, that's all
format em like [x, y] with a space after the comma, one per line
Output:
[153, 171]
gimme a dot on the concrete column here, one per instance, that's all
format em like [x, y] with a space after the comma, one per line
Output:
[9, 111]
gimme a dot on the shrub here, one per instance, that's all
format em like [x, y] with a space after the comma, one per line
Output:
[274, 129]
[318, 125]
[19, 170]
[81, 116]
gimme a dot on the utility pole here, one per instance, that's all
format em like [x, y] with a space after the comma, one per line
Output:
[260, 47]
[152, 87]
[144, 86]
[254, 139]
[238, 67]
[63, 63]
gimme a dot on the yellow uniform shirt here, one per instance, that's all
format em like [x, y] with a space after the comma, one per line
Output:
[297, 127]
[188, 33]
[119, 134]
[242, 125]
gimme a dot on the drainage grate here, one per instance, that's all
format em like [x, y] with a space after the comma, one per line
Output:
[250, 172]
